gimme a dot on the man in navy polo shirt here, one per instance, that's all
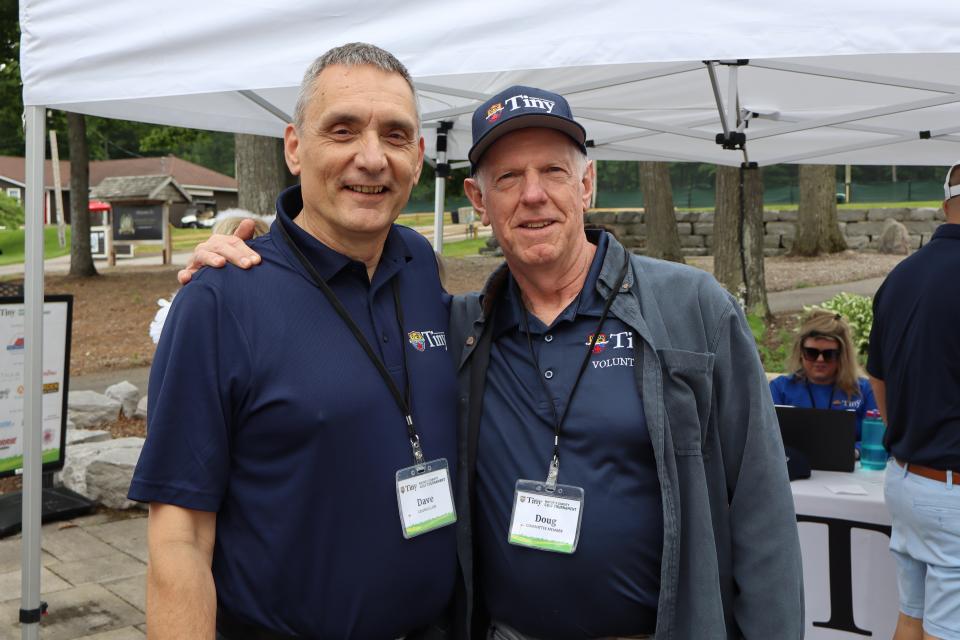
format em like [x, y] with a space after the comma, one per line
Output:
[623, 472]
[914, 367]
[621, 469]
[293, 408]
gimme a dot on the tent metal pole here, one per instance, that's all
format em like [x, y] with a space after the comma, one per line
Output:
[826, 153]
[853, 116]
[714, 84]
[30, 607]
[602, 116]
[443, 170]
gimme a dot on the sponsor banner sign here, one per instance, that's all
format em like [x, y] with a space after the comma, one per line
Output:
[56, 345]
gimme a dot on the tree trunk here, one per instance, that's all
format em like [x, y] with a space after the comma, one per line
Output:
[81, 260]
[818, 229]
[261, 173]
[663, 240]
[727, 265]
[753, 242]
[738, 237]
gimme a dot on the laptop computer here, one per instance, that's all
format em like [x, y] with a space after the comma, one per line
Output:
[826, 437]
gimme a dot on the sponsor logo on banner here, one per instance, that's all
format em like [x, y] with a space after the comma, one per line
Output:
[494, 112]
[47, 436]
[51, 387]
[16, 344]
[4, 394]
[6, 443]
[6, 423]
[421, 340]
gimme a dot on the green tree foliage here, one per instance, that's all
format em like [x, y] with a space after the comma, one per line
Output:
[11, 212]
[858, 312]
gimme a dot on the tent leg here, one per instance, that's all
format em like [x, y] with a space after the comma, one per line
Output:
[443, 170]
[30, 607]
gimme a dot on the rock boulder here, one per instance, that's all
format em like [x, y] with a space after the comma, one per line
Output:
[127, 395]
[89, 409]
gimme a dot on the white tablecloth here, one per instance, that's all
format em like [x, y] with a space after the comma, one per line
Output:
[859, 590]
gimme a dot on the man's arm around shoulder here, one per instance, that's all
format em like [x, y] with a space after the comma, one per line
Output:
[181, 597]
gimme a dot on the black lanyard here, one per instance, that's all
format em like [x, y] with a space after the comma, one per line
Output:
[813, 402]
[402, 400]
[554, 469]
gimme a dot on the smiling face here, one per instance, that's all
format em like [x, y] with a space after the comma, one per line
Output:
[820, 371]
[358, 153]
[533, 185]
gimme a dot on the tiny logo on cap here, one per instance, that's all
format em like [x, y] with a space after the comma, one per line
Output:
[493, 113]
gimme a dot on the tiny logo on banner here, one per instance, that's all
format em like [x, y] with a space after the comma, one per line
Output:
[16, 345]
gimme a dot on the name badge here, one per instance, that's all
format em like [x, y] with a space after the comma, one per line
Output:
[546, 520]
[425, 497]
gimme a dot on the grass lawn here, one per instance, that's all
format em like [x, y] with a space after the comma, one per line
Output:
[183, 240]
[463, 248]
[11, 243]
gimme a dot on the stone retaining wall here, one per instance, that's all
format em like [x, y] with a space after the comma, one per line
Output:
[862, 228]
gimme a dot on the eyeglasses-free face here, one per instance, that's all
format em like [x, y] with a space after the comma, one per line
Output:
[812, 355]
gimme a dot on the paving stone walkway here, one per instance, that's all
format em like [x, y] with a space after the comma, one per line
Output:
[93, 579]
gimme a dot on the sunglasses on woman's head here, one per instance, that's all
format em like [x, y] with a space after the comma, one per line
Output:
[812, 355]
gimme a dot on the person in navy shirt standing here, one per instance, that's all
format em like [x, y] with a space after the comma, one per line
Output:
[293, 407]
[825, 370]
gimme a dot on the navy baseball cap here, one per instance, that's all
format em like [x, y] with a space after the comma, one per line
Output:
[518, 108]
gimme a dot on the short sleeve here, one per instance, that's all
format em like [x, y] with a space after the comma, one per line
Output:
[196, 383]
[874, 350]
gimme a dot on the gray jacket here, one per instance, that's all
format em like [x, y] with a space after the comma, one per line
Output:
[731, 563]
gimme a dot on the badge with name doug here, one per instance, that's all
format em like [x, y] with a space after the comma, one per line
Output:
[545, 519]
[425, 497]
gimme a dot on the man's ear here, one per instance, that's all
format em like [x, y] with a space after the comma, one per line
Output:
[291, 148]
[421, 149]
[588, 180]
[471, 187]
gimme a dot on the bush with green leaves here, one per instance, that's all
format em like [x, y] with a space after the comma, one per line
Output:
[858, 312]
[11, 213]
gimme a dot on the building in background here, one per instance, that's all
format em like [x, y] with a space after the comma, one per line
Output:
[209, 190]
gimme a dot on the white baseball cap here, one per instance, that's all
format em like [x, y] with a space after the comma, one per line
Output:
[948, 191]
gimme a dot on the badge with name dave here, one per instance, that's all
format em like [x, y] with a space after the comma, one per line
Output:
[545, 519]
[425, 497]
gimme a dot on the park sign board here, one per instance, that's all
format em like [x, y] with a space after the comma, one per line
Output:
[57, 324]
[138, 222]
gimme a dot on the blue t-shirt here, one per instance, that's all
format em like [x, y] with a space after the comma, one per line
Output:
[265, 409]
[610, 585]
[796, 392]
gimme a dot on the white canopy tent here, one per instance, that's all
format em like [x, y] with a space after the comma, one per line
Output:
[820, 81]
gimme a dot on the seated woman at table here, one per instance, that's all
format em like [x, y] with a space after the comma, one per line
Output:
[826, 374]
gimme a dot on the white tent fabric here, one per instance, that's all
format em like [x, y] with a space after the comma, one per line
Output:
[827, 81]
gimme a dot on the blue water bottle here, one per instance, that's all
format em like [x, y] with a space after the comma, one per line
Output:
[872, 454]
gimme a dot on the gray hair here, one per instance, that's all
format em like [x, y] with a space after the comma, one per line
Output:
[353, 54]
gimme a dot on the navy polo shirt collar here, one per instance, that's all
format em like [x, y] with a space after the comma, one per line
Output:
[325, 260]
[589, 302]
[947, 231]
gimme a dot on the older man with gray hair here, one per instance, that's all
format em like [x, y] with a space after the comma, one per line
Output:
[301, 428]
